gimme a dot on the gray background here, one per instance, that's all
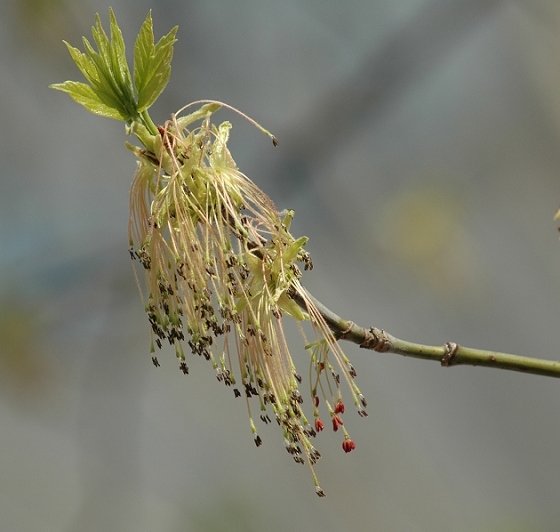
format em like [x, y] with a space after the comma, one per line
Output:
[419, 146]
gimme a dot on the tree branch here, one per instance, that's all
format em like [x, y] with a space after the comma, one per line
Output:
[450, 354]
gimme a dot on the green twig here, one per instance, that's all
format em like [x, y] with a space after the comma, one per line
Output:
[450, 354]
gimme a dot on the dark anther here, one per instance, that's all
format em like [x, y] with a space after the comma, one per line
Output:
[308, 430]
[296, 396]
[295, 270]
[315, 454]
[155, 362]
[184, 368]
[362, 400]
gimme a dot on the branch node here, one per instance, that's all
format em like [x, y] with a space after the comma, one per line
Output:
[342, 334]
[450, 350]
[376, 339]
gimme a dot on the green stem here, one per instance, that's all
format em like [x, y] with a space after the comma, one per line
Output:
[148, 122]
[447, 355]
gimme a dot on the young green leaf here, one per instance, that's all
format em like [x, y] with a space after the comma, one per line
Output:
[113, 66]
[84, 63]
[86, 96]
[111, 92]
[152, 63]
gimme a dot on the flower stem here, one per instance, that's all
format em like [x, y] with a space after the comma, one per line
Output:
[450, 354]
[148, 122]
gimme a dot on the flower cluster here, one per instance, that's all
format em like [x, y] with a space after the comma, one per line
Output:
[222, 268]
[221, 272]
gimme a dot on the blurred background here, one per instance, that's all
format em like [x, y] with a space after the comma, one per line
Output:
[419, 147]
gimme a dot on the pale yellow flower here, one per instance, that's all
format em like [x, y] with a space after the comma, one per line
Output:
[220, 263]
[221, 272]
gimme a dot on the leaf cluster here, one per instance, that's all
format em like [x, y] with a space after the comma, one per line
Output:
[110, 90]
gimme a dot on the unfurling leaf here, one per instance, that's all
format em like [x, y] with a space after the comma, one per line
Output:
[111, 92]
[152, 63]
[86, 96]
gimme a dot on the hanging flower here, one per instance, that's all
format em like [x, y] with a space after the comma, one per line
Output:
[222, 269]
[221, 273]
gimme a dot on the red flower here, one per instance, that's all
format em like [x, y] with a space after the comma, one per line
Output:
[339, 407]
[319, 425]
[348, 445]
[336, 422]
